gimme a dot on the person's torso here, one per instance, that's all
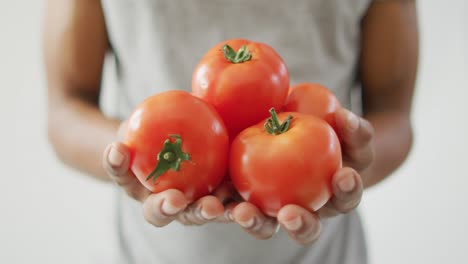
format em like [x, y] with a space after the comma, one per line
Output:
[157, 44]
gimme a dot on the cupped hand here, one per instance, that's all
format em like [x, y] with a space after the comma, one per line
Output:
[162, 208]
[303, 226]
[299, 223]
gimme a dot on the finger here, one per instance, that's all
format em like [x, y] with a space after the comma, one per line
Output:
[202, 211]
[347, 190]
[301, 225]
[116, 162]
[253, 221]
[356, 135]
[353, 130]
[229, 197]
[227, 217]
[162, 208]
[358, 158]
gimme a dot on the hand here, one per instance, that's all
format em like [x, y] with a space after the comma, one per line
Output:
[357, 143]
[162, 208]
[300, 224]
[357, 139]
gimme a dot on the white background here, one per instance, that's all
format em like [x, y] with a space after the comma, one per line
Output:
[50, 214]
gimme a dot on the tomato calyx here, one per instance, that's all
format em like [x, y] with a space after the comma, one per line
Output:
[274, 127]
[242, 55]
[170, 157]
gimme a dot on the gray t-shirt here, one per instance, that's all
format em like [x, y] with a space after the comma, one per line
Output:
[157, 44]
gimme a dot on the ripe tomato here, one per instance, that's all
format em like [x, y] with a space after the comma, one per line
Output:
[241, 85]
[313, 99]
[273, 164]
[174, 148]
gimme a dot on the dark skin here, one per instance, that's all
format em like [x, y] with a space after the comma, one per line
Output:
[75, 45]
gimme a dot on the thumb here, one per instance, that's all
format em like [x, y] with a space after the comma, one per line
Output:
[353, 130]
[116, 159]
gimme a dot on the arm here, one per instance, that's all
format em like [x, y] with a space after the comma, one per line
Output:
[388, 72]
[375, 145]
[75, 44]
[378, 143]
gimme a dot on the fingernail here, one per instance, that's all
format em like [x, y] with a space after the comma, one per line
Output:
[347, 184]
[169, 209]
[115, 157]
[353, 121]
[206, 216]
[293, 224]
[247, 224]
[277, 229]
[228, 215]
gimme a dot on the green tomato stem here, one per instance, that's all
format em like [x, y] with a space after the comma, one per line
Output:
[242, 55]
[170, 157]
[273, 125]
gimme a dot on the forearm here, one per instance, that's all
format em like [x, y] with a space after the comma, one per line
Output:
[387, 72]
[74, 47]
[392, 141]
[79, 133]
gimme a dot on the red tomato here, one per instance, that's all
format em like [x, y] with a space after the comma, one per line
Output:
[313, 99]
[241, 85]
[273, 164]
[177, 141]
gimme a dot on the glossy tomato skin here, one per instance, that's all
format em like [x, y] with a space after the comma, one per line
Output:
[296, 167]
[313, 99]
[242, 93]
[204, 138]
